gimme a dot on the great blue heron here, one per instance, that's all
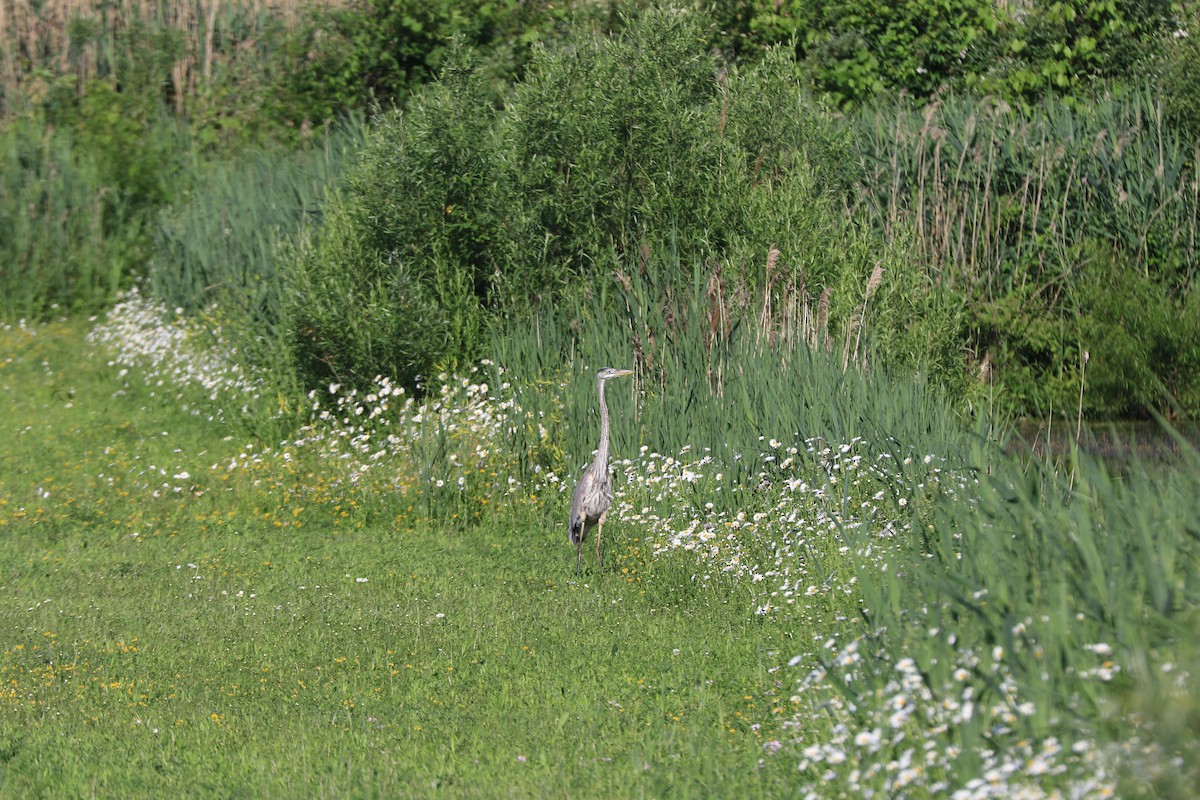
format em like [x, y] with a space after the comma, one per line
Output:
[593, 495]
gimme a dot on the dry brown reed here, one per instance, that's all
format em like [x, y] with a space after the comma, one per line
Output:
[856, 324]
[664, 315]
[784, 312]
[819, 333]
[36, 37]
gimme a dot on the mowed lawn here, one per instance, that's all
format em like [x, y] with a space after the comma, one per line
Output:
[166, 630]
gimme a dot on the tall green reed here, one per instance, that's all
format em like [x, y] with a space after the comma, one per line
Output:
[216, 256]
[65, 237]
[1052, 222]
[998, 197]
[219, 244]
[713, 374]
[1082, 581]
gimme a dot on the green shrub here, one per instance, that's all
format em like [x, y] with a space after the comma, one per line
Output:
[352, 313]
[123, 117]
[1179, 72]
[1064, 48]
[610, 153]
[856, 49]
[613, 141]
[369, 51]
[419, 226]
[643, 144]
[136, 147]
[1143, 343]
[431, 186]
[1132, 342]
[378, 52]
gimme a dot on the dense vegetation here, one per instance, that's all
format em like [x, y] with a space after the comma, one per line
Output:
[1031, 184]
[301, 310]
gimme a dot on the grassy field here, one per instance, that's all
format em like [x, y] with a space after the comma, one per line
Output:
[382, 604]
[171, 629]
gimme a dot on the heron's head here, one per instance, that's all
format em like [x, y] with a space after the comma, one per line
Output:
[609, 372]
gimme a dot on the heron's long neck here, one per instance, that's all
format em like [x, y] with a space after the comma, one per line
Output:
[602, 448]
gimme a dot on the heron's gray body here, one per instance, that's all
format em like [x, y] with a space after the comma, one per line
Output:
[593, 498]
[593, 495]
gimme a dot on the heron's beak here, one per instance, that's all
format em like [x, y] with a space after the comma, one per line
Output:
[621, 373]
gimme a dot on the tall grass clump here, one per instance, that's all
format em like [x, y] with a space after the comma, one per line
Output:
[67, 234]
[1051, 221]
[1078, 585]
[219, 243]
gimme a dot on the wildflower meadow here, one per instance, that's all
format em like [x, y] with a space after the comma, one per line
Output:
[383, 601]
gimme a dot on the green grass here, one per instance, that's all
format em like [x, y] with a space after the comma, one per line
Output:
[269, 670]
[183, 645]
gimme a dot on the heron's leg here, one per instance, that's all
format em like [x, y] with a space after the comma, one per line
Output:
[599, 530]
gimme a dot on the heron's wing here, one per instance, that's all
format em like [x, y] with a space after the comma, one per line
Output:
[575, 527]
[593, 496]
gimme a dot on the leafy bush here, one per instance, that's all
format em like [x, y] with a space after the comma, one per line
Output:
[353, 313]
[857, 49]
[135, 145]
[1064, 47]
[611, 152]
[430, 187]
[614, 141]
[1129, 343]
[372, 51]
[395, 280]
[1143, 341]
[1179, 76]
[378, 52]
